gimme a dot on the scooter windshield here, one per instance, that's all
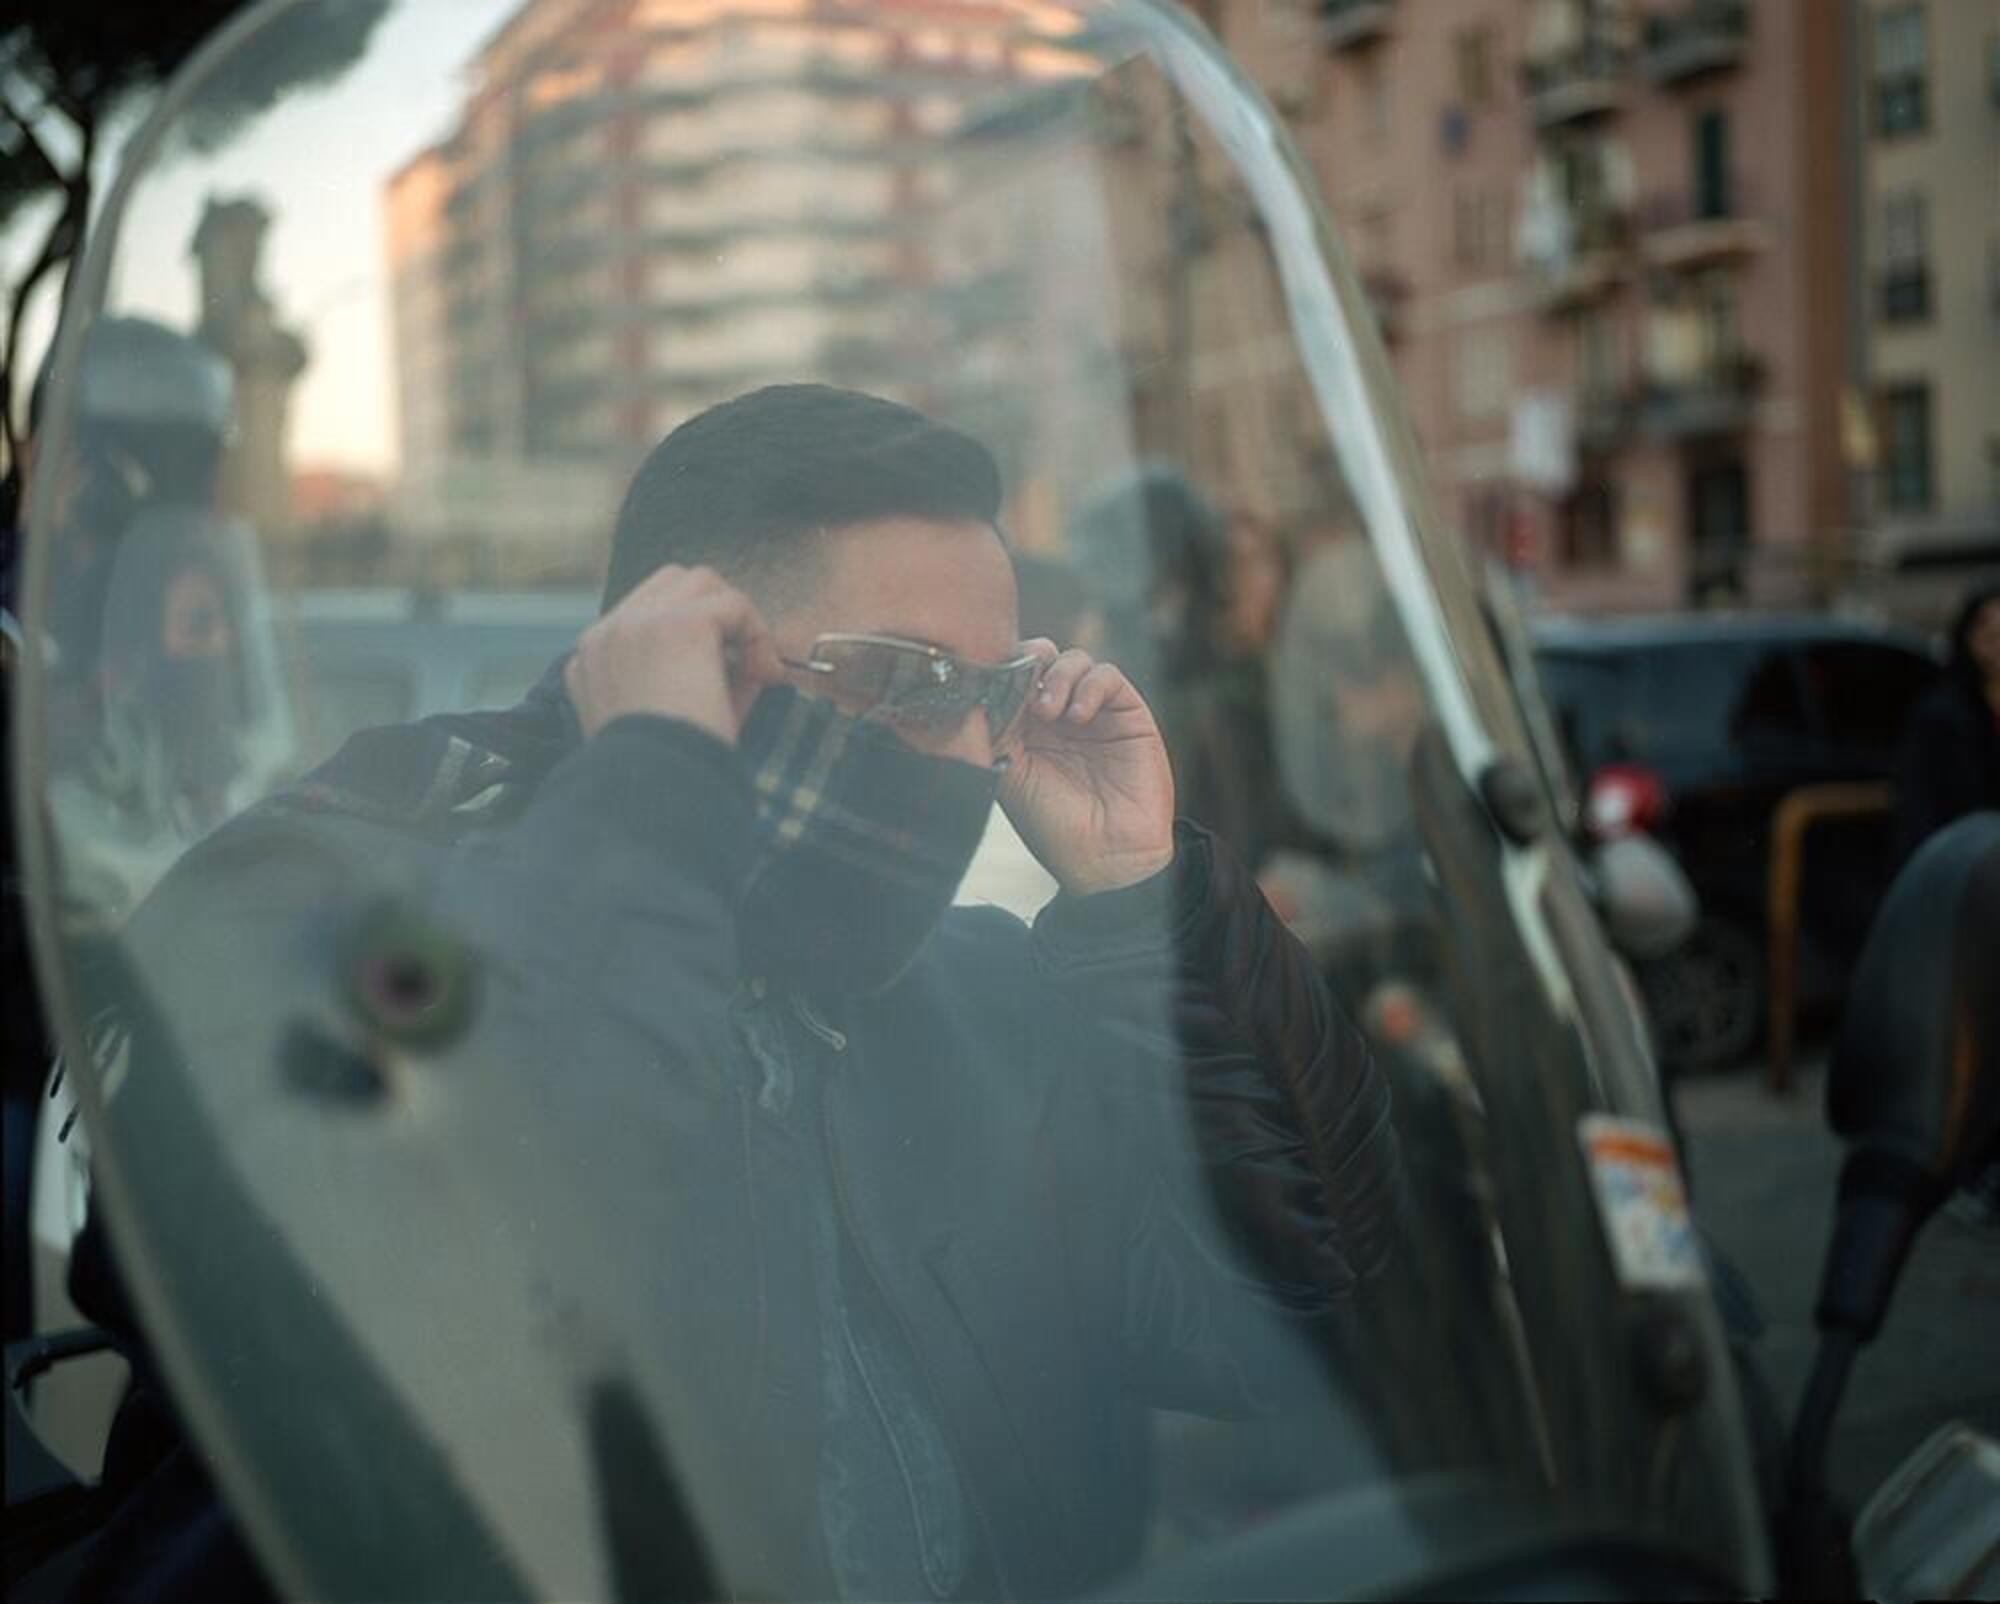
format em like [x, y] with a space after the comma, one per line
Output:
[782, 858]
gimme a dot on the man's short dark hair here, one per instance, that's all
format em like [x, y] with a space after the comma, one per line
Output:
[743, 485]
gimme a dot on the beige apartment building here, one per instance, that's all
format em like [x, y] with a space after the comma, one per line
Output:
[1929, 223]
[1670, 319]
[648, 206]
[1605, 240]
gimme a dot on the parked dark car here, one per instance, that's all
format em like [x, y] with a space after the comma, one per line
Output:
[1695, 728]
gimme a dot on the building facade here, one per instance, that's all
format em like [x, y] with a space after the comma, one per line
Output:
[649, 206]
[1606, 243]
[1928, 83]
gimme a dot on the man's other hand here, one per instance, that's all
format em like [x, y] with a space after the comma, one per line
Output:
[1089, 787]
[685, 644]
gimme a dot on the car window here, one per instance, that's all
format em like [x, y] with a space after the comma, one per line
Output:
[1640, 703]
[1863, 692]
[1584, 694]
[1767, 707]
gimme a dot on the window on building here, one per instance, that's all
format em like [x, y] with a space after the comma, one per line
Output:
[1713, 192]
[1718, 332]
[1485, 517]
[1587, 526]
[1375, 101]
[1478, 227]
[1718, 516]
[1485, 376]
[1906, 278]
[1599, 374]
[1906, 448]
[1901, 70]
[1472, 52]
[1466, 242]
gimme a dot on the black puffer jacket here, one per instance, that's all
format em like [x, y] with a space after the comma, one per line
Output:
[1026, 1133]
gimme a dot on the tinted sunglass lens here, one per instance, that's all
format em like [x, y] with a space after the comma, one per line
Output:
[862, 675]
[1007, 696]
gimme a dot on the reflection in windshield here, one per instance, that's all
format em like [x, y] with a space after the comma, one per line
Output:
[968, 1033]
[783, 902]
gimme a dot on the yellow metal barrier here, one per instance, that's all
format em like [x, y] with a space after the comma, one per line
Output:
[1799, 812]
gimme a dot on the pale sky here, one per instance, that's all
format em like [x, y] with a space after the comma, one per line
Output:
[317, 162]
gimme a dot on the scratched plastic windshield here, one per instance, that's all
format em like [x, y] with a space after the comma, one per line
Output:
[767, 822]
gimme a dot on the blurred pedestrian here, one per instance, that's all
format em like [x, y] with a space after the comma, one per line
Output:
[1949, 764]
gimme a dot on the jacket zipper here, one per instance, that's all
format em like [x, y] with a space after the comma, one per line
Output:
[845, 1213]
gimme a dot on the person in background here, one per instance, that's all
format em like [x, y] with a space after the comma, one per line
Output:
[1949, 764]
[1192, 597]
[1231, 768]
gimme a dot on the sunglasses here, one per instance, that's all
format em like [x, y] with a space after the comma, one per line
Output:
[922, 689]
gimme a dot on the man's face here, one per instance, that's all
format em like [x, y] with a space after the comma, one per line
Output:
[944, 585]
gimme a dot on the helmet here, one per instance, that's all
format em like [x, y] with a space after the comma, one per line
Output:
[154, 410]
[141, 374]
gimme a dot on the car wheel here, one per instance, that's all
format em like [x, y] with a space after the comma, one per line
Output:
[1706, 1001]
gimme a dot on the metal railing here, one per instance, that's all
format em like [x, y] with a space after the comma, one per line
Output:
[1732, 201]
[1713, 397]
[1701, 36]
[1586, 80]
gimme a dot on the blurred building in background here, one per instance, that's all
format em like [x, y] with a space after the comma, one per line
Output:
[650, 206]
[1928, 83]
[1691, 300]
[1607, 242]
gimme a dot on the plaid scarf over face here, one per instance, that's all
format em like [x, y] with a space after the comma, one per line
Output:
[861, 844]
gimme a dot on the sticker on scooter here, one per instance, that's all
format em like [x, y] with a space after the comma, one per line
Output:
[1642, 1202]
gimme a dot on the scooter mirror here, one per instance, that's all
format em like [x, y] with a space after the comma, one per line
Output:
[1648, 907]
[1933, 1528]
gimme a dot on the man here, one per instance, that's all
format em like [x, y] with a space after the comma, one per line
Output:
[931, 1253]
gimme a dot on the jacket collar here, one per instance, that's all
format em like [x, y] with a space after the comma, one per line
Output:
[453, 771]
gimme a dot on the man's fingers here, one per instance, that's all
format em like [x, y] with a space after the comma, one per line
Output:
[752, 649]
[1059, 683]
[684, 644]
[1098, 687]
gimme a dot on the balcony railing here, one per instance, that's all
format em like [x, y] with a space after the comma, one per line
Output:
[1703, 36]
[1350, 24]
[1688, 228]
[1906, 293]
[1603, 416]
[1714, 397]
[1594, 262]
[1587, 81]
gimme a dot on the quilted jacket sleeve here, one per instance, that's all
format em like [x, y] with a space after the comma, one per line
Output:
[1252, 1062]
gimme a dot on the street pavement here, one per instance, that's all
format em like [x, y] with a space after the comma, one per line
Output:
[1762, 1170]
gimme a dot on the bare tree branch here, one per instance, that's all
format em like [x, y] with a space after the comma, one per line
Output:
[60, 246]
[36, 148]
